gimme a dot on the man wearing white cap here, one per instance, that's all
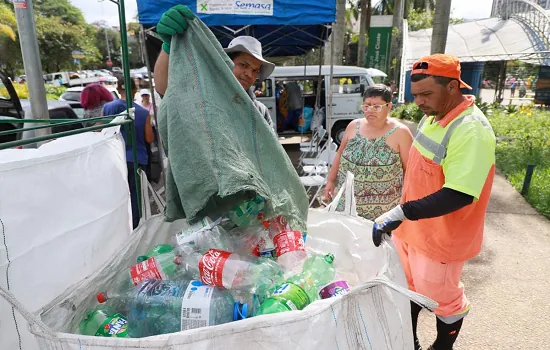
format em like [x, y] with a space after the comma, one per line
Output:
[244, 51]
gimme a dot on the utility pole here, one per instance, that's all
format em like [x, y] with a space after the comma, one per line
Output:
[26, 26]
[363, 27]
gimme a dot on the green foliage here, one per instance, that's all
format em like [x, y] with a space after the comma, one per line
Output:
[63, 10]
[54, 92]
[57, 41]
[420, 19]
[409, 111]
[523, 138]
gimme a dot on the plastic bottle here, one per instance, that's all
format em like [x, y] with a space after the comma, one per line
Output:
[160, 307]
[164, 266]
[234, 272]
[155, 251]
[278, 225]
[247, 212]
[265, 247]
[103, 321]
[204, 239]
[286, 297]
[334, 289]
[301, 290]
[290, 251]
[318, 271]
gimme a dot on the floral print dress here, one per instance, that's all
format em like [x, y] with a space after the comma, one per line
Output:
[378, 173]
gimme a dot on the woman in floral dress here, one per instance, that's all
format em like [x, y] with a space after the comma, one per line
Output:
[375, 149]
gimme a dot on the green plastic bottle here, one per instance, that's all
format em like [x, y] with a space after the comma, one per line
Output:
[318, 271]
[104, 322]
[155, 251]
[286, 297]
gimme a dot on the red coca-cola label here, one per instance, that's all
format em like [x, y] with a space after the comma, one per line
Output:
[289, 241]
[147, 269]
[211, 267]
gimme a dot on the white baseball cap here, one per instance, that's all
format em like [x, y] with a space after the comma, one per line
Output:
[253, 47]
[144, 92]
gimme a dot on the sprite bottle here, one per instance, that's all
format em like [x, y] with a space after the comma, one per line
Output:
[103, 321]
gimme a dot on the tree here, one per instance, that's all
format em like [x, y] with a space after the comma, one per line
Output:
[366, 10]
[112, 36]
[441, 26]
[10, 53]
[61, 9]
[56, 41]
[338, 32]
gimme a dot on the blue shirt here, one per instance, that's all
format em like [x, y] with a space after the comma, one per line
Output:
[119, 106]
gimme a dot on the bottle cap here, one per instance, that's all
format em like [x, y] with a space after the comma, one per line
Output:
[329, 258]
[266, 224]
[240, 311]
[101, 297]
[142, 258]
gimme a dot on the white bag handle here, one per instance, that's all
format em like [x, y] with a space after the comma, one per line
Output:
[33, 320]
[350, 205]
[419, 299]
[147, 188]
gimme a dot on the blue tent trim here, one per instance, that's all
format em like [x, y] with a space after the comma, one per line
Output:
[296, 26]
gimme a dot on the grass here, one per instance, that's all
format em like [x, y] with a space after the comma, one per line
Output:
[524, 138]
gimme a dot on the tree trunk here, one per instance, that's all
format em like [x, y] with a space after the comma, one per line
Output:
[338, 31]
[441, 26]
[363, 27]
[396, 40]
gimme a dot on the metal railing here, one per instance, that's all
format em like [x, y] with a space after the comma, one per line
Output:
[529, 13]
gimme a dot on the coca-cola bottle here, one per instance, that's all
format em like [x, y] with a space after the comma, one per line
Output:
[233, 271]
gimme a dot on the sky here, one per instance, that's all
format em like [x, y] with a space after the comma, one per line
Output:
[95, 10]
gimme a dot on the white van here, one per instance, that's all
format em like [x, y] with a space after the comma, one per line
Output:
[348, 85]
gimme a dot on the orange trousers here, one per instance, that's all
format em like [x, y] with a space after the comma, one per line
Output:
[436, 280]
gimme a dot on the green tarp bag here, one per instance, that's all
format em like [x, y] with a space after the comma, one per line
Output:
[220, 149]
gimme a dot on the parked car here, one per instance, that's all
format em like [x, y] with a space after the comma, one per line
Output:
[12, 108]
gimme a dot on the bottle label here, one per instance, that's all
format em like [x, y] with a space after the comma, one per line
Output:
[334, 289]
[148, 269]
[154, 287]
[265, 248]
[188, 234]
[278, 225]
[114, 326]
[289, 294]
[195, 306]
[211, 267]
[289, 241]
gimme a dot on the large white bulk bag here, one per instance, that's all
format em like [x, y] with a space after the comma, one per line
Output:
[374, 315]
[64, 211]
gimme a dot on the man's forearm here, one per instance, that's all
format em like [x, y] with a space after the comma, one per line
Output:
[161, 72]
[440, 203]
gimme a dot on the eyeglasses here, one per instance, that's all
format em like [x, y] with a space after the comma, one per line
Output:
[374, 108]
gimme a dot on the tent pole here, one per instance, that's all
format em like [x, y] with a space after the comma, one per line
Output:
[329, 114]
[153, 99]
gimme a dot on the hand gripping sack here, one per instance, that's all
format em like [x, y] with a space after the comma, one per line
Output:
[374, 315]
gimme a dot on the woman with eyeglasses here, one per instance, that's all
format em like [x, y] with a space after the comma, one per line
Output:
[375, 150]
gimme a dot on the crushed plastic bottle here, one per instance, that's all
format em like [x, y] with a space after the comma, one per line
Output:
[334, 289]
[290, 251]
[161, 307]
[233, 271]
[287, 297]
[265, 247]
[103, 321]
[155, 251]
[205, 238]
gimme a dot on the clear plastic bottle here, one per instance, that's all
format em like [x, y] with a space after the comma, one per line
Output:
[233, 271]
[204, 239]
[265, 247]
[291, 251]
[160, 307]
[164, 266]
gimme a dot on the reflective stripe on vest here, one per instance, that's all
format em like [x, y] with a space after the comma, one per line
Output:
[440, 149]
